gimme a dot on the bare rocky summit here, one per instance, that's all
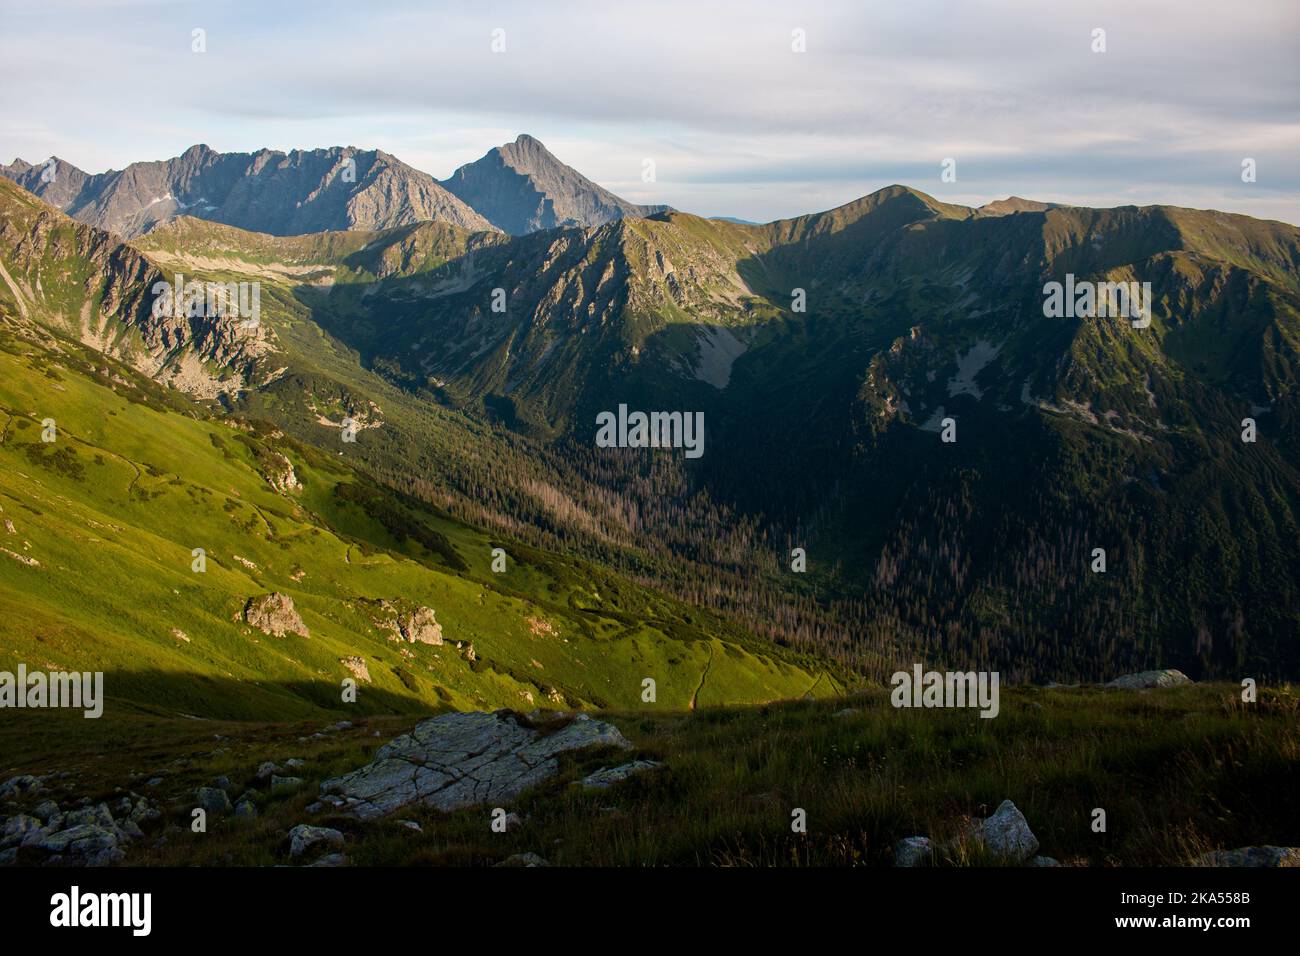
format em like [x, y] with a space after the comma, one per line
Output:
[521, 187]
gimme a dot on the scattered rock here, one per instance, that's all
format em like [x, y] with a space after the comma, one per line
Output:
[246, 809]
[524, 859]
[913, 851]
[607, 777]
[17, 829]
[19, 786]
[1044, 861]
[461, 760]
[512, 821]
[267, 770]
[223, 783]
[303, 837]
[331, 859]
[1145, 679]
[411, 825]
[293, 763]
[341, 725]
[846, 712]
[1253, 856]
[274, 614]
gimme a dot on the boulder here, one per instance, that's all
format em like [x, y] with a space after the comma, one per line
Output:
[213, 800]
[462, 760]
[1006, 834]
[913, 851]
[607, 777]
[267, 770]
[1253, 856]
[84, 839]
[18, 786]
[274, 614]
[1145, 679]
[304, 837]
[17, 829]
[420, 626]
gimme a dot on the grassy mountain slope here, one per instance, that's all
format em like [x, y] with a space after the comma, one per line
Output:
[139, 475]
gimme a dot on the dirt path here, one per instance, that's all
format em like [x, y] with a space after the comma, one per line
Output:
[696, 696]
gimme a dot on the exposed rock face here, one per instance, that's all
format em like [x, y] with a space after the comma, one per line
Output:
[274, 614]
[1253, 856]
[521, 187]
[460, 760]
[47, 254]
[268, 191]
[281, 476]
[1145, 679]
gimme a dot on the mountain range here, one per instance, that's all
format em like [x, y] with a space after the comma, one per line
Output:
[826, 352]
[518, 188]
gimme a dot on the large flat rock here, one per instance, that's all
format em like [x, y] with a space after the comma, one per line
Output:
[462, 760]
[1147, 679]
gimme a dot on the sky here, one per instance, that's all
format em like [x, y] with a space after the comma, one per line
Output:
[737, 122]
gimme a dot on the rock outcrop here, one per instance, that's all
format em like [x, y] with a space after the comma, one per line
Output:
[420, 626]
[460, 760]
[1145, 679]
[274, 614]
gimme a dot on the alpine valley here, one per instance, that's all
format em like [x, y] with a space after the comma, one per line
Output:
[393, 478]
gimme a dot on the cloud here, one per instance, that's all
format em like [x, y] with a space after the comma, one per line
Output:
[713, 92]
